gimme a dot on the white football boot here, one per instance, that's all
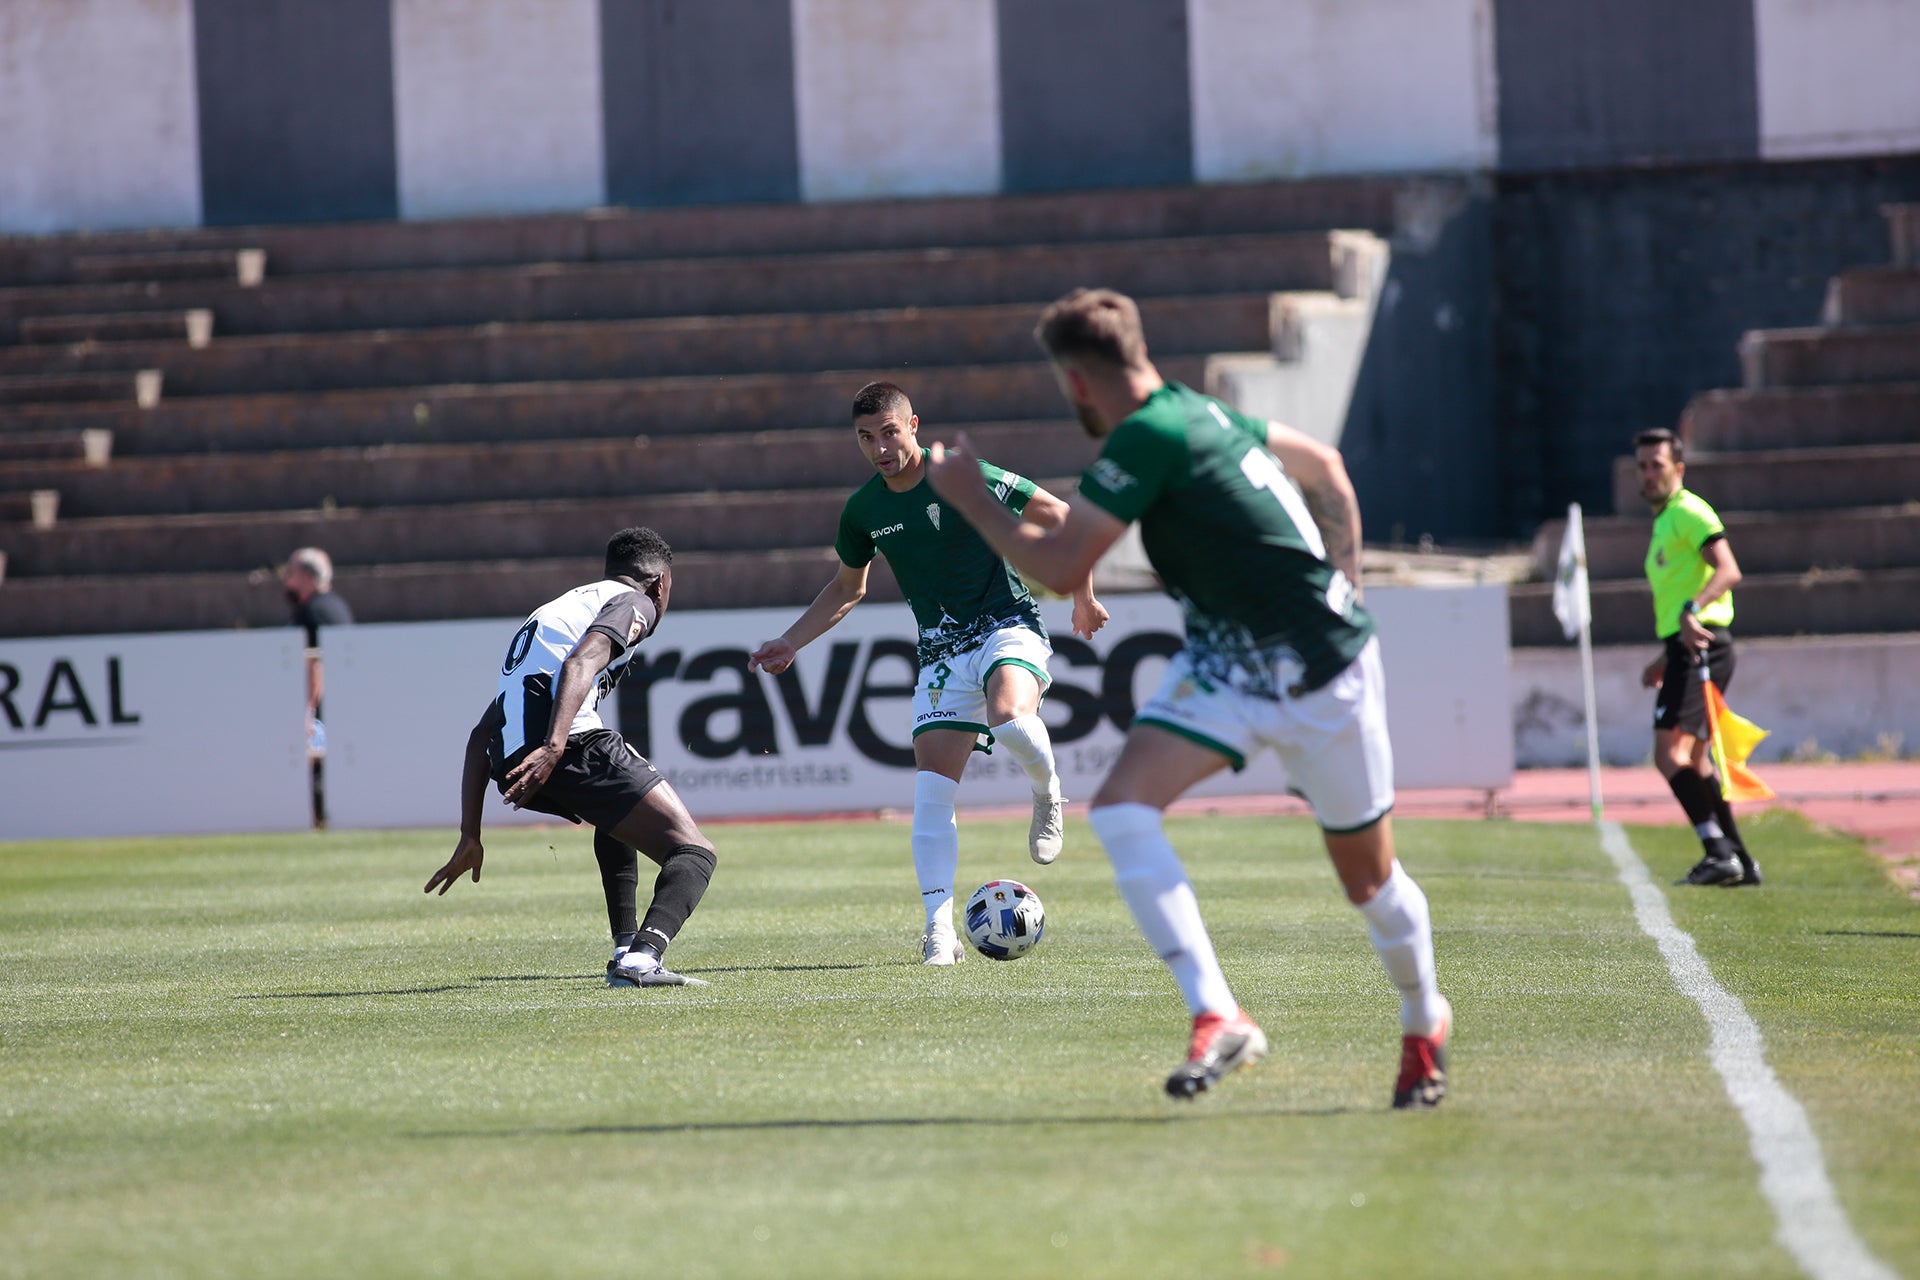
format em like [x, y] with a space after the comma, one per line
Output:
[941, 947]
[639, 968]
[1046, 836]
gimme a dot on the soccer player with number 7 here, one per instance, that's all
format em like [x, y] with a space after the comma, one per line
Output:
[1279, 653]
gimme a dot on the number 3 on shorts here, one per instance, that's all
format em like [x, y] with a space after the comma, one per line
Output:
[942, 671]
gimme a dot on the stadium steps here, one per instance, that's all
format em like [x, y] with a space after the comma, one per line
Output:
[1803, 417]
[1764, 542]
[537, 411]
[522, 530]
[1825, 357]
[1813, 602]
[387, 390]
[421, 474]
[611, 235]
[1874, 295]
[63, 452]
[245, 266]
[126, 385]
[1813, 466]
[192, 325]
[677, 347]
[557, 292]
[1790, 479]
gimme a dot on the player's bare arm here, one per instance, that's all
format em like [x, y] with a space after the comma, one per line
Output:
[468, 854]
[1050, 512]
[1726, 576]
[1060, 558]
[846, 589]
[577, 678]
[1322, 476]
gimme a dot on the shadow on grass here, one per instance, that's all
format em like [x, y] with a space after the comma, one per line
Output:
[474, 985]
[1185, 1116]
[1868, 933]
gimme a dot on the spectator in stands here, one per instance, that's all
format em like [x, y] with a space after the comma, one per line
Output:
[1691, 568]
[308, 580]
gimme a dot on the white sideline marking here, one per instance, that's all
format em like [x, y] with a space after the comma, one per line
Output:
[1793, 1177]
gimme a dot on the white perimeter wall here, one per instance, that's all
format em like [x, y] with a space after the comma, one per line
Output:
[1287, 88]
[1843, 694]
[185, 733]
[1838, 77]
[202, 732]
[497, 106]
[395, 741]
[99, 119]
[895, 98]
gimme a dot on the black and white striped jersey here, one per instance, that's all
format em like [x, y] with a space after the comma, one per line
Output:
[530, 676]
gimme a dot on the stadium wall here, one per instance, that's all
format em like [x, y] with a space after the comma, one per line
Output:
[134, 113]
[150, 713]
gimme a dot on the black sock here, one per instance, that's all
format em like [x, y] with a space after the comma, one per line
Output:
[620, 878]
[1692, 791]
[676, 892]
[1724, 812]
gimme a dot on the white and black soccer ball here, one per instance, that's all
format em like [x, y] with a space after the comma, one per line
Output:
[1004, 920]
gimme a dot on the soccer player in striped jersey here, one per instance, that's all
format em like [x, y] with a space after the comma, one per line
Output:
[982, 651]
[1279, 653]
[542, 741]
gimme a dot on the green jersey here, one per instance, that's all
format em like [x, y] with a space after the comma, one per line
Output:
[1232, 541]
[960, 589]
[1675, 568]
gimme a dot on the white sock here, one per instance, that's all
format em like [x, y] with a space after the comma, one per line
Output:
[936, 845]
[1028, 742]
[1403, 938]
[1156, 889]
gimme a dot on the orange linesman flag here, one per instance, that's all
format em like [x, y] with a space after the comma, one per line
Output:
[1734, 738]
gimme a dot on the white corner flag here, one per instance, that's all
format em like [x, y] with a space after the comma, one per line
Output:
[1570, 597]
[1573, 605]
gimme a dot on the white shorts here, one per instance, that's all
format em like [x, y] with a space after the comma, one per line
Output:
[1332, 741]
[952, 694]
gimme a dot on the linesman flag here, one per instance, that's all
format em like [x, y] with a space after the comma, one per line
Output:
[1570, 583]
[1734, 738]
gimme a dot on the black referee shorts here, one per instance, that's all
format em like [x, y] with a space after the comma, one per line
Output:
[1681, 703]
[598, 781]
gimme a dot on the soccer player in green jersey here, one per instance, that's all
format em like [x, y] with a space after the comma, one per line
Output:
[1691, 568]
[982, 649]
[1279, 654]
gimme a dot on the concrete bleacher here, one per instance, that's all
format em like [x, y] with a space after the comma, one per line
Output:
[1813, 464]
[460, 412]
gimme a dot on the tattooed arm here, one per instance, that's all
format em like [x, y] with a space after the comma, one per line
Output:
[1322, 477]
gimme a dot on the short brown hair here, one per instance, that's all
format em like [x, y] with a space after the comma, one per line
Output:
[1093, 324]
[880, 397]
[1660, 435]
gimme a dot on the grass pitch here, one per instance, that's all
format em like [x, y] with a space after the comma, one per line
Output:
[235, 1057]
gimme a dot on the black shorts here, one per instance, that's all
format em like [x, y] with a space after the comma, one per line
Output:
[1681, 703]
[598, 781]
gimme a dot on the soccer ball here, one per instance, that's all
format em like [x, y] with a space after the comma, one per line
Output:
[1005, 920]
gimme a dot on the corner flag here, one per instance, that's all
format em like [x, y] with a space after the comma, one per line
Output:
[1734, 738]
[1570, 596]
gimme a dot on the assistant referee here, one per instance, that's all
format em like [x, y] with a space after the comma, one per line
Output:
[1691, 568]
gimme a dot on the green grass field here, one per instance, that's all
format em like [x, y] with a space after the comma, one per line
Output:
[274, 1056]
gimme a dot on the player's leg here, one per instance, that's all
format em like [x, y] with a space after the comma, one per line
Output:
[1155, 767]
[1679, 723]
[609, 784]
[620, 881]
[939, 756]
[1013, 711]
[1335, 746]
[1720, 665]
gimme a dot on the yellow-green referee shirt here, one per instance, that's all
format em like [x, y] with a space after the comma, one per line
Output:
[1675, 568]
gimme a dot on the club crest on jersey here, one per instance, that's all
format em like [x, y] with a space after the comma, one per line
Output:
[933, 698]
[635, 631]
[933, 513]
